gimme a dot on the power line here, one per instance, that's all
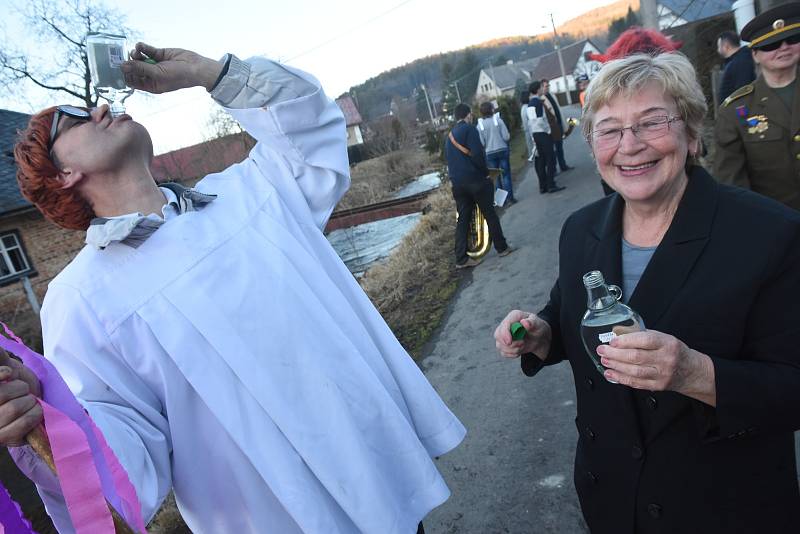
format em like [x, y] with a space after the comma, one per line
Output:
[351, 30]
[685, 9]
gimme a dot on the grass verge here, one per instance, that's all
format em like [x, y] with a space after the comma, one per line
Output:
[414, 286]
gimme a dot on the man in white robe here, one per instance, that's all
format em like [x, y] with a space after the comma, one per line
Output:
[214, 335]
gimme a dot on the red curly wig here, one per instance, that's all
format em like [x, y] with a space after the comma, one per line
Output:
[37, 177]
[638, 40]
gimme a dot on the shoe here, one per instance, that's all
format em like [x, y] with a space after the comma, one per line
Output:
[471, 262]
[506, 251]
[542, 190]
[556, 189]
[510, 203]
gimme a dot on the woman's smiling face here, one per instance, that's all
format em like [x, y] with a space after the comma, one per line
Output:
[642, 170]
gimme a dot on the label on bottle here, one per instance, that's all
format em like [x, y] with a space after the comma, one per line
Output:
[115, 55]
[605, 337]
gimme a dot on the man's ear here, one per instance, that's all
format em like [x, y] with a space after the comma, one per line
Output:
[69, 178]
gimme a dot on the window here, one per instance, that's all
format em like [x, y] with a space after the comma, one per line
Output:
[13, 262]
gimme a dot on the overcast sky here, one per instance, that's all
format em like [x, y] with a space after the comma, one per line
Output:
[342, 43]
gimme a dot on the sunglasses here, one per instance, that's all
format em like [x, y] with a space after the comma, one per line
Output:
[66, 111]
[792, 40]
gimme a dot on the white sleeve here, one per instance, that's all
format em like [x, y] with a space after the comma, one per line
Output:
[287, 112]
[126, 411]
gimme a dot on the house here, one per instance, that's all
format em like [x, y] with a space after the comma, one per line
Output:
[32, 250]
[576, 62]
[353, 119]
[672, 13]
[503, 80]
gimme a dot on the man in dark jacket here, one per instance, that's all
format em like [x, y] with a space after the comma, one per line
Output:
[466, 165]
[739, 67]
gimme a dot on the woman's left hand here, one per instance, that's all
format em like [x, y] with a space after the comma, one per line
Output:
[657, 361]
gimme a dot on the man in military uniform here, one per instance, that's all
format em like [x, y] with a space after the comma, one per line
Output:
[758, 126]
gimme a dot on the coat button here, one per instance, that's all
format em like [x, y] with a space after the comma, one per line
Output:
[797, 156]
[592, 477]
[654, 510]
[589, 383]
[797, 138]
[636, 452]
[590, 433]
[652, 403]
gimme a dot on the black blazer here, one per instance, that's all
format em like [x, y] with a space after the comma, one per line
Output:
[726, 281]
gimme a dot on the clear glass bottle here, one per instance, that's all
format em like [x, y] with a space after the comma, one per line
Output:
[106, 53]
[606, 317]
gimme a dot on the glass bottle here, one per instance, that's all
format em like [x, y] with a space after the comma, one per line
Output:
[606, 317]
[106, 52]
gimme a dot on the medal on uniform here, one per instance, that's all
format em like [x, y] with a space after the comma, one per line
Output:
[741, 113]
[757, 124]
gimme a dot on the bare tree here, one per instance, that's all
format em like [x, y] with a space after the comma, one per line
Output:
[56, 58]
[220, 123]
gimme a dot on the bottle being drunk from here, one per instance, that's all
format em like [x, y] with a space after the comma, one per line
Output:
[606, 317]
[106, 53]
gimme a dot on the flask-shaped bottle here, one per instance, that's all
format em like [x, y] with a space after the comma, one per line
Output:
[606, 317]
[106, 53]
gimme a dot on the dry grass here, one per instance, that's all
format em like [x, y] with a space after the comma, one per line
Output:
[376, 179]
[413, 287]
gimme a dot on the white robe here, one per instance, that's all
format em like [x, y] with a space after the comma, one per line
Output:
[233, 357]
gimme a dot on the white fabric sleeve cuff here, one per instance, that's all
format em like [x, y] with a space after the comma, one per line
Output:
[258, 83]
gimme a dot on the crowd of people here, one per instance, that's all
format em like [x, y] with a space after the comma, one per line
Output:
[183, 325]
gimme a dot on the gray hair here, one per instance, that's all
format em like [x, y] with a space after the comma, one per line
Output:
[623, 77]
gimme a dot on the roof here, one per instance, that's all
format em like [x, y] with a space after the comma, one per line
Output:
[199, 160]
[506, 76]
[348, 107]
[549, 67]
[690, 10]
[10, 197]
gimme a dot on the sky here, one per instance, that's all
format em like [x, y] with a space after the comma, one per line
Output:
[343, 43]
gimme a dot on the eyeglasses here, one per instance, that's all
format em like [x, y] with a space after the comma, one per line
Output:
[792, 40]
[646, 130]
[69, 111]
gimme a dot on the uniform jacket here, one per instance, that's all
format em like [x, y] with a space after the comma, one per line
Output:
[726, 281]
[739, 71]
[758, 142]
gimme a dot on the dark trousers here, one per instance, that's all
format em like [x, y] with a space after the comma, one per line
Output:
[559, 149]
[467, 195]
[545, 163]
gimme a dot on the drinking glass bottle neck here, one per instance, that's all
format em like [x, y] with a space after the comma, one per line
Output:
[599, 296]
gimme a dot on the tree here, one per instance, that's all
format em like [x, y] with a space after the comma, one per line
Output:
[59, 27]
[220, 123]
[621, 24]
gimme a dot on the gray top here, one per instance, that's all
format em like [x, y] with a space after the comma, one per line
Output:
[634, 262]
[494, 134]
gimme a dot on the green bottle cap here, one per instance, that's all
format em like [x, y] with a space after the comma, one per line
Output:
[150, 60]
[518, 331]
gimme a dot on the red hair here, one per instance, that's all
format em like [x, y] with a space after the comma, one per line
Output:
[637, 40]
[37, 176]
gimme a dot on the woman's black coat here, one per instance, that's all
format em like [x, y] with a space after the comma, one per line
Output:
[725, 280]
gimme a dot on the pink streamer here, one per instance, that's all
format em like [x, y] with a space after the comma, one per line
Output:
[86, 466]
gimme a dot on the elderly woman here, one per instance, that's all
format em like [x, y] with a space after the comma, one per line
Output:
[690, 427]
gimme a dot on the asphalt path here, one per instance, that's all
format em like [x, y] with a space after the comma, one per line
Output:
[513, 472]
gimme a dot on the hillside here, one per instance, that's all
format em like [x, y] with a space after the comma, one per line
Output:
[596, 22]
[438, 71]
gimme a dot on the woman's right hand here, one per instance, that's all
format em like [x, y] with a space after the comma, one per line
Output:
[20, 411]
[537, 339]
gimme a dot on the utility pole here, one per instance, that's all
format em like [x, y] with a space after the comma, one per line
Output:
[561, 61]
[427, 101]
[648, 12]
[458, 94]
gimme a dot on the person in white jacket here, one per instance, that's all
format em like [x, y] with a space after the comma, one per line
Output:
[545, 160]
[213, 334]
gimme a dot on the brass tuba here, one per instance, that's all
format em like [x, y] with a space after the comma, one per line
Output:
[478, 240]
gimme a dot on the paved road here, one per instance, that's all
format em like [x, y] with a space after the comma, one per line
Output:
[513, 472]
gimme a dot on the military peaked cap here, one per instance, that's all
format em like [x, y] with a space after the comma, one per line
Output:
[773, 25]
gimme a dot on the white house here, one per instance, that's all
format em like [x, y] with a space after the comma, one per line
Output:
[502, 79]
[576, 62]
